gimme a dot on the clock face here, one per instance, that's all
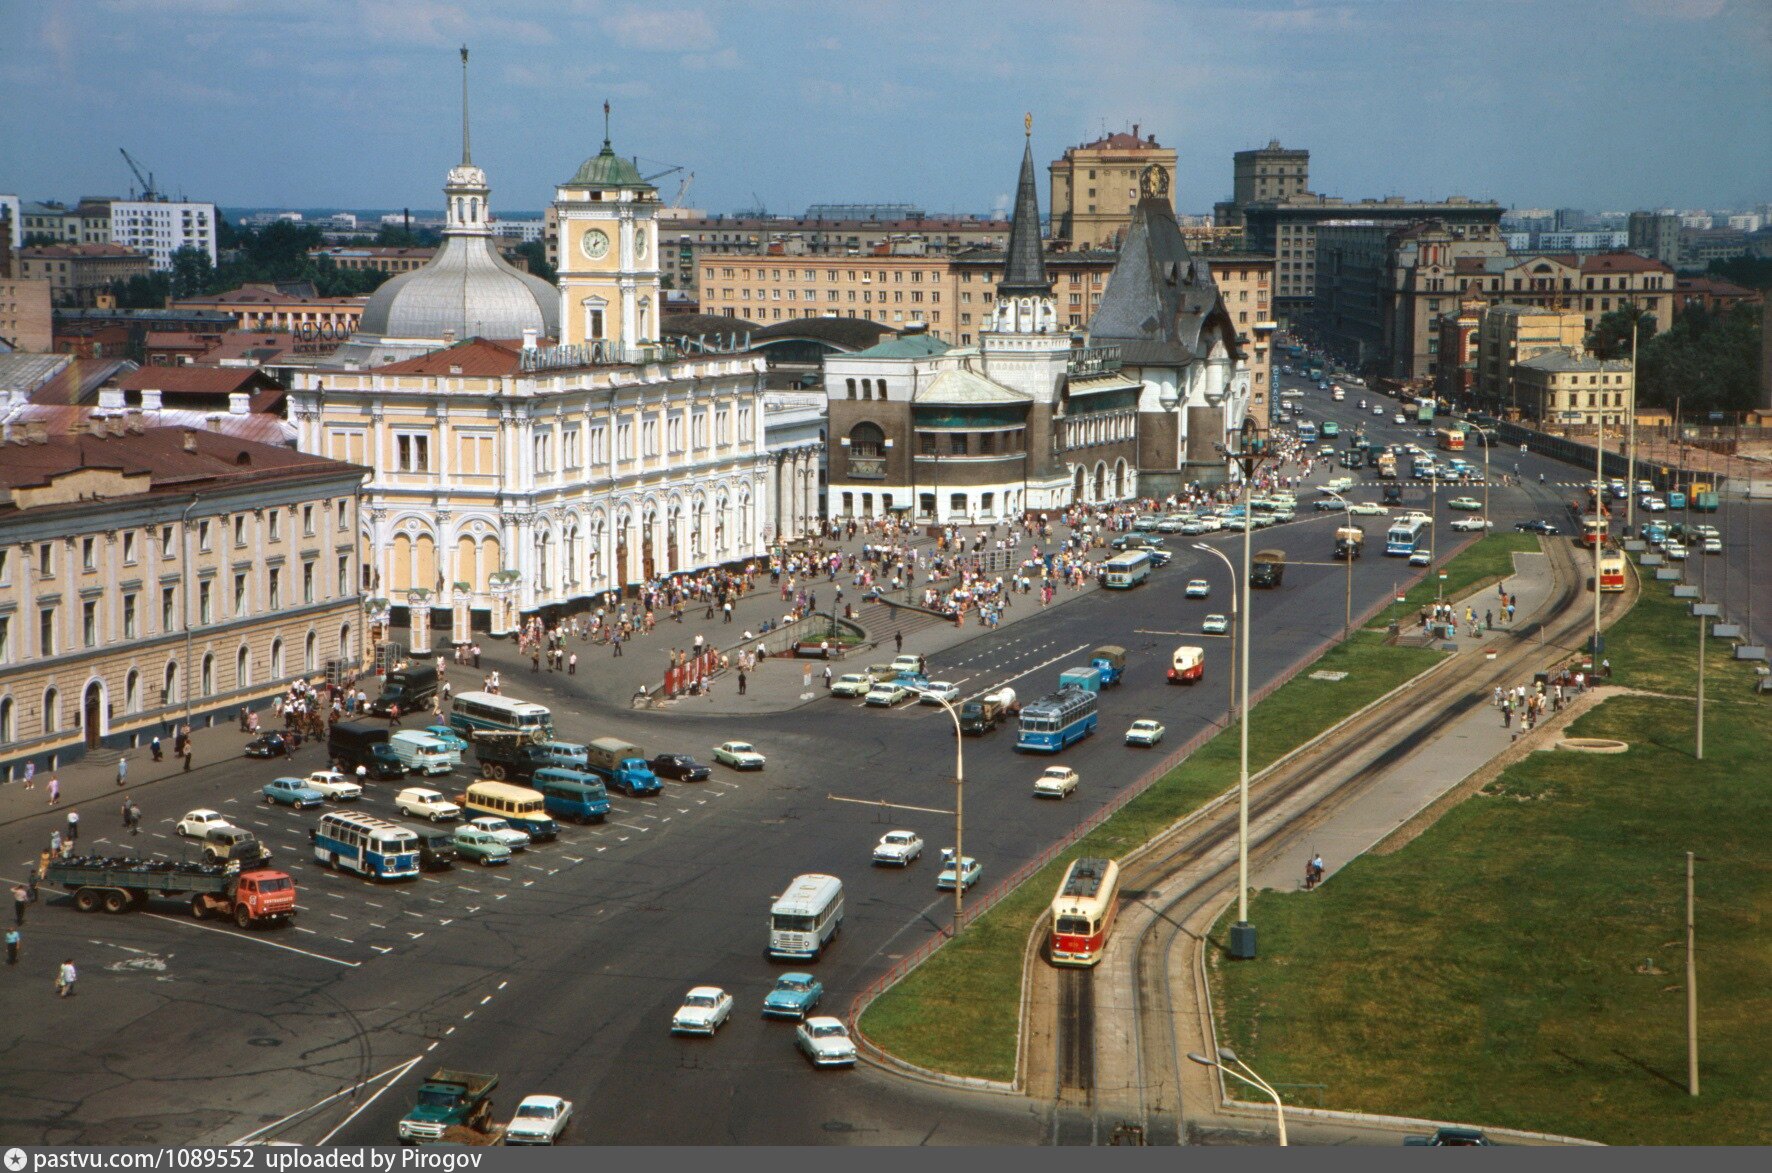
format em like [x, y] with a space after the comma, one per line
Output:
[595, 244]
[640, 242]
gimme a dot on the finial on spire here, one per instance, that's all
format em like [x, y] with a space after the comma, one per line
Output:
[605, 123]
[1027, 121]
[466, 157]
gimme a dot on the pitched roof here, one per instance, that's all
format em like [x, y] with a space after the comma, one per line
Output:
[176, 459]
[191, 380]
[844, 333]
[476, 356]
[1564, 361]
[967, 389]
[60, 418]
[905, 346]
[1024, 273]
[1159, 295]
[265, 295]
[1623, 262]
[72, 252]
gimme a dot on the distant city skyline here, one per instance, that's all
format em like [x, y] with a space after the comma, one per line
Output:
[1605, 106]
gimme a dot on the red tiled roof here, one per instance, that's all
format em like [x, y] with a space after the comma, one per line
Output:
[159, 452]
[265, 295]
[1622, 263]
[476, 356]
[77, 251]
[192, 380]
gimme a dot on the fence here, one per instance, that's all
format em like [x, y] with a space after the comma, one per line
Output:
[1616, 464]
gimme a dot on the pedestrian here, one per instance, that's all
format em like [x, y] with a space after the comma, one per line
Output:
[154, 747]
[741, 682]
[31, 775]
[73, 826]
[55, 790]
[124, 811]
[122, 771]
[535, 661]
[64, 979]
[394, 713]
[898, 641]
[135, 819]
[615, 641]
[572, 664]
[20, 897]
[827, 678]
[12, 943]
[187, 759]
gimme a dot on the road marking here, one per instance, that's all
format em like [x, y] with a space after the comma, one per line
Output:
[384, 949]
[254, 1135]
[338, 916]
[255, 940]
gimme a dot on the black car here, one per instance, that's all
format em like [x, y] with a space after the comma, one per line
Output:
[1160, 557]
[268, 745]
[678, 767]
[1536, 526]
[1136, 542]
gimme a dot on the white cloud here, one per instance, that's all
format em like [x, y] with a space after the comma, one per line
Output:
[662, 30]
[726, 58]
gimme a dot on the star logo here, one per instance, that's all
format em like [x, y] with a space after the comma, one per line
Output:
[15, 1159]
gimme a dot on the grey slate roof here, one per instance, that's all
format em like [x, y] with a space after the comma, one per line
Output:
[467, 289]
[1158, 296]
[1024, 274]
[967, 389]
[1561, 361]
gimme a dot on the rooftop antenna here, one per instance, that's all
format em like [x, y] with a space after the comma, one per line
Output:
[466, 157]
[606, 124]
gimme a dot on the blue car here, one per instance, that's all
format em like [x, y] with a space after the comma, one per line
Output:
[448, 737]
[794, 996]
[293, 792]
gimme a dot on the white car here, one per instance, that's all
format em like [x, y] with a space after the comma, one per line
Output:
[1674, 550]
[703, 1011]
[1198, 588]
[1652, 505]
[502, 831]
[1367, 509]
[1399, 418]
[1055, 782]
[1210, 522]
[1713, 545]
[539, 1120]
[970, 870]
[197, 823]
[421, 803]
[898, 847]
[1464, 524]
[333, 785]
[887, 693]
[852, 684]
[1422, 558]
[740, 755]
[1215, 625]
[1145, 731]
[937, 691]
[826, 1042]
[1378, 409]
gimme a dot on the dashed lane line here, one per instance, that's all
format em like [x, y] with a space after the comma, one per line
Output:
[183, 923]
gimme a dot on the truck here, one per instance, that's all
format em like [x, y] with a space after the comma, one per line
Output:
[1704, 501]
[1110, 661]
[248, 898]
[411, 688]
[359, 743]
[446, 1100]
[1350, 540]
[622, 766]
[1088, 679]
[984, 713]
[1269, 569]
[509, 754]
[1387, 466]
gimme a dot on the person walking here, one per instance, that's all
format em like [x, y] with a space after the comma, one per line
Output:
[187, 758]
[572, 664]
[898, 641]
[12, 944]
[21, 896]
[615, 641]
[31, 775]
[154, 748]
[741, 682]
[827, 678]
[55, 790]
[122, 771]
[65, 978]
[73, 826]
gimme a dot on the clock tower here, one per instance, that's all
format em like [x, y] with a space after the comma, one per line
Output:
[608, 276]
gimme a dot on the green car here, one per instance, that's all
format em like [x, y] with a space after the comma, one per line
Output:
[480, 846]
[1465, 503]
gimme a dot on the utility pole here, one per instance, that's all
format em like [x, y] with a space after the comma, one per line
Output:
[1703, 634]
[1630, 456]
[1691, 985]
[1599, 536]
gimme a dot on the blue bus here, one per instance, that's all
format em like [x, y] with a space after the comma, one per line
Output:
[366, 845]
[1405, 536]
[572, 794]
[1307, 431]
[473, 711]
[1054, 722]
[1124, 571]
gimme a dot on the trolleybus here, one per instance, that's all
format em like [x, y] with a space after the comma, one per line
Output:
[1083, 912]
[1054, 722]
[472, 711]
[1125, 571]
[1612, 570]
[367, 845]
[1405, 536]
[1450, 439]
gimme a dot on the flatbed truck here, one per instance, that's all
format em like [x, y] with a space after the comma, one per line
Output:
[248, 898]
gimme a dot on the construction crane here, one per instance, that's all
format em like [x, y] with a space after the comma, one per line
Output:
[683, 190]
[147, 181]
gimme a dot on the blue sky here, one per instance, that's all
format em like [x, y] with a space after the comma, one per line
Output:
[313, 103]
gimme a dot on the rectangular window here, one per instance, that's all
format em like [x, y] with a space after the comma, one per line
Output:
[344, 574]
[307, 520]
[412, 451]
[203, 535]
[46, 631]
[624, 441]
[344, 515]
[307, 581]
[88, 554]
[722, 427]
[239, 594]
[649, 437]
[128, 549]
[203, 608]
[475, 454]
[744, 424]
[543, 453]
[239, 529]
[89, 624]
[276, 578]
[5, 639]
[599, 444]
[46, 560]
[168, 608]
[570, 452]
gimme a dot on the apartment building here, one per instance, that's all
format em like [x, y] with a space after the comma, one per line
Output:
[79, 273]
[1508, 335]
[161, 228]
[1570, 386]
[1095, 187]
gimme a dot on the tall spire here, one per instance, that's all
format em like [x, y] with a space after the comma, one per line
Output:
[606, 124]
[1024, 270]
[466, 157]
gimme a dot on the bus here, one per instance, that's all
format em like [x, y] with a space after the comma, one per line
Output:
[1406, 535]
[1450, 439]
[1424, 410]
[471, 711]
[1054, 722]
[1083, 912]
[521, 807]
[1125, 571]
[1307, 431]
[1594, 529]
[367, 845]
[804, 919]
[1611, 570]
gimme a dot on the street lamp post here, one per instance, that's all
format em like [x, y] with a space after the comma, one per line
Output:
[959, 814]
[1347, 623]
[1484, 432]
[1230, 708]
[1227, 1056]
[1251, 449]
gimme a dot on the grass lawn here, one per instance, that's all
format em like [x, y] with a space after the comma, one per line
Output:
[1485, 562]
[1494, 969]
[958, 1011]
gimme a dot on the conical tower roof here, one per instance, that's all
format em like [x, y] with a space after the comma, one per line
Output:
[1024, 272]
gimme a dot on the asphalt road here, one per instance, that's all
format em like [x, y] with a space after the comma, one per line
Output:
[560, 972]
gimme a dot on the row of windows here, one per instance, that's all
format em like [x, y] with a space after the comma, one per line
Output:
[866, 297]
[476, 452]
[763, 315]
[167, 538]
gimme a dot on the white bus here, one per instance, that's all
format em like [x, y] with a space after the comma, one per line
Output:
[1406, 535]
[803, 919]
[1125, 571]
[367, 845]
[472, 711]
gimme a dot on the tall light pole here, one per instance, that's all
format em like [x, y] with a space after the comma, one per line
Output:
[1251, 449]
[1227, 1056]
[1347, 623]
[1484, 432]
[959, 815]
[1630, 445]
[1230, 707]
[1598, 536]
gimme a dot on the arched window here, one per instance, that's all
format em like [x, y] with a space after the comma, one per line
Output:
[866, 439]
[851, 383]
[206, 679]
[5, 719]
[344, 642]
[51, 710]
[242, 667]
[867, 388]
[276, 659]
[169, 684]
[310, 653]
[132, 692]
[882, 385]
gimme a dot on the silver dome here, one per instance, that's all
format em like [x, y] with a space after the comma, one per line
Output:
[467, 290]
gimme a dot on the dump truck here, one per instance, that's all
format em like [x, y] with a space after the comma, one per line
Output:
[1350, 540]
[1387, 466]
[622, 766]
[1110, 661]
[1269, 569]
[449, 1100]
[248, 898]
[988, 711]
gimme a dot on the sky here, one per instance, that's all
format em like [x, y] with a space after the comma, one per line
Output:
[1605, 105]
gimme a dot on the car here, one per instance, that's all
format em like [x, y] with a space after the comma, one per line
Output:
[1465, 524]
[197, 823]
[1652, 504]
[1145, 732]
[1162, 557]
[1256, 521]
[898, 847]
[795, 996]
[1399, 418]
[913, 682]
[1645, 486]
[1194, 528]
[1464, 504]
[704, 1010]
[292, 792]
[1055, 782]
[1378, 409]
[1536, 526]
[1136, 542]
[887, 693]
[970, 871]
[334, 785]
[1713, 545]
[482, 847]
[539, 1120]
[740, 755]
[679, 767]
[1198, 588]
[1706, 531]
[1215, 624]
[1284, 514]
[1421, 558]
[502, 831]
[267, 745]
[1147, 523]
[1210, 523]
[453, 741]
[826, 1042]
[1330, 504]
[852, 684]
[1450, 1137]
[937, 691]
[1674, 550]
[1173, 523]
[1367, 509]
[421, 803]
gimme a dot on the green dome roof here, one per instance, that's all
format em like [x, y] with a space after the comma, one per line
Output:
[607, 169]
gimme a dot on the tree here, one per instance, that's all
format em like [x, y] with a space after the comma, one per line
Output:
[1611, 334]
[192, 274]
[143, 292]
[536, 253]
[1753, 272]
[1707, 362]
